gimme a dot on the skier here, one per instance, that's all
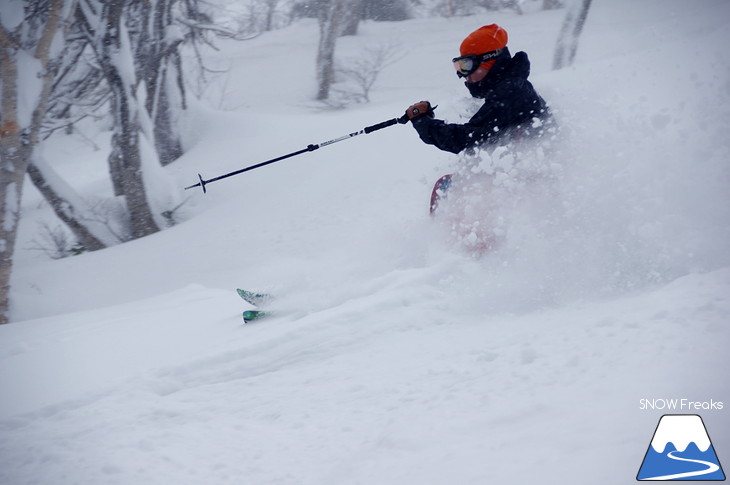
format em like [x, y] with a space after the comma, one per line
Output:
[512, 109]
[510, 101]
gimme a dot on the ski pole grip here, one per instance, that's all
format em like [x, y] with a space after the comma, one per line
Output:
[380, 126]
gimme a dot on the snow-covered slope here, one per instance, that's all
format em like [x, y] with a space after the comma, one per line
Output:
[395, 357]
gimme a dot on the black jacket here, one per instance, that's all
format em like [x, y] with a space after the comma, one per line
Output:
[510, 105]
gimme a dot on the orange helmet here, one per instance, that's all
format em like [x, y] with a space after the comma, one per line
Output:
[483, 40]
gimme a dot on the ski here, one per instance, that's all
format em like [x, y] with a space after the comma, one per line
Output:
[254, 315]
[253, 298]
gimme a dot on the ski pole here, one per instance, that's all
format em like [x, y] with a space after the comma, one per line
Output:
[310, 148]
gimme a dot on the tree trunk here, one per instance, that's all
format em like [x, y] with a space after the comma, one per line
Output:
[330, 18]
[17, 141]
[13, 158]
[162, 74]
[167, 139]
[270, 11]
[352, 16]
[551, 4]
[567, 45]
[62, 206]
[125, 161]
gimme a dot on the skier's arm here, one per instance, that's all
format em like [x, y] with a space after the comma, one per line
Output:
[433, 131]
[447, 137]
[451, 137]
[513, 104]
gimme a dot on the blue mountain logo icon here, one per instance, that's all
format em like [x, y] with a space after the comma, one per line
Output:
[681, 450]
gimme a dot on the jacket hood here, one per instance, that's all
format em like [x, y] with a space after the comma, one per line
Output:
[505, 68]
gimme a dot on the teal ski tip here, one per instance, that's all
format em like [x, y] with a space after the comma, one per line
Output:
[254, 315]
[253, 298]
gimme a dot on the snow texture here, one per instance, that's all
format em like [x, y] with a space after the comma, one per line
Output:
[11, 14]
[395, 355]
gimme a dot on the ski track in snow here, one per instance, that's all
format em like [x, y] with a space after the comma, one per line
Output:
[416, 384]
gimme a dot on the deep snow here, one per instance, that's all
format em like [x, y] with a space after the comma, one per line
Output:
[396, 356]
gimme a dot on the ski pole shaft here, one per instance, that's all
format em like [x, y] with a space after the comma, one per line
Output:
[310, 148]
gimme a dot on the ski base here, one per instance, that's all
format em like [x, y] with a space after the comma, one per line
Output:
[254, 315]
[255, 299]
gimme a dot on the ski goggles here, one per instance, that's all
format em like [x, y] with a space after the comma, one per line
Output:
[466, 65]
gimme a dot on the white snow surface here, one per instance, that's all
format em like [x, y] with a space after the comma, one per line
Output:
[394, 357]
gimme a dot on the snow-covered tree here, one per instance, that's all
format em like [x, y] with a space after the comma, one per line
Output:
[62, 60]
[31, 39]
[159, 64]
[341, 17]
[105, 22]
[135, 48]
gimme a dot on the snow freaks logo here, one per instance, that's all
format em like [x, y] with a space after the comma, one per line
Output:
[681, 450]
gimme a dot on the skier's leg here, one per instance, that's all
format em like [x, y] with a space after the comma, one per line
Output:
[439, 191]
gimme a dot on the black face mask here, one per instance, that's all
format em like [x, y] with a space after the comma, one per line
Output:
[475, 89]
[479, 88]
